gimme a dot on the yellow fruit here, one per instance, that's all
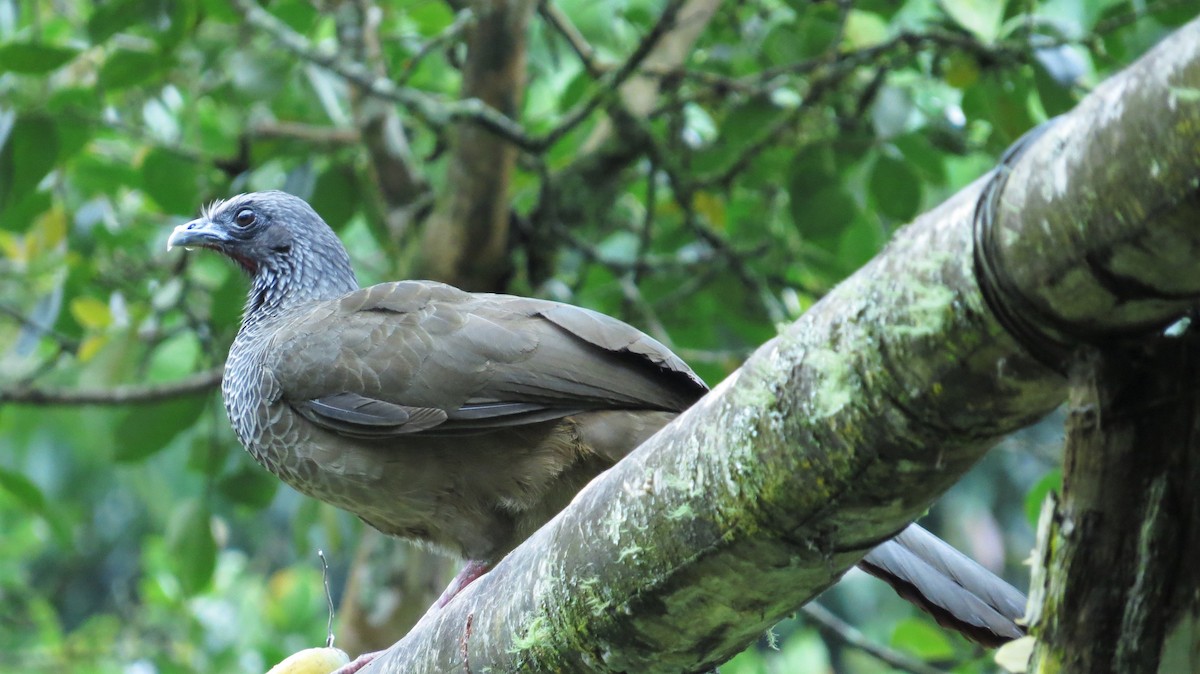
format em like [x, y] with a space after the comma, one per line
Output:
[312, 661]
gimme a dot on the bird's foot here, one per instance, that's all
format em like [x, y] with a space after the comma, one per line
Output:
[470, 572]
[357, 663]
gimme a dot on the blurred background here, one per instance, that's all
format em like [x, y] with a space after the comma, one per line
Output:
[704, 170]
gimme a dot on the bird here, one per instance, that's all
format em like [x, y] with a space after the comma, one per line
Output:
[465, 421]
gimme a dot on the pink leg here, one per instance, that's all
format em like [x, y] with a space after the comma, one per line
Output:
[358, 663]
[470, 572]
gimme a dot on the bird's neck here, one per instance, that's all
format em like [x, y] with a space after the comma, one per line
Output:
[283, 284]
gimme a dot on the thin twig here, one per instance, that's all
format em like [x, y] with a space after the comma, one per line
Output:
[64, 342]
[432, 110]
[839, 629]
[579, 44]
[612, 81]
[117, 395]
[462, 21]
[654, 325]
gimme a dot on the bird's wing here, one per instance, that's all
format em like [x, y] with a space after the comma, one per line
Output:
[417, 356]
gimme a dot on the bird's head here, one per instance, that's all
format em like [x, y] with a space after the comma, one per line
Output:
[279, 240]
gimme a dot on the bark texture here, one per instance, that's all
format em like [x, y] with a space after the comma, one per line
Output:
[1119, 551]
[840, 431]
[466, 237]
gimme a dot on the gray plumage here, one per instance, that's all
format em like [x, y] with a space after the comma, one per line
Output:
[457, 419]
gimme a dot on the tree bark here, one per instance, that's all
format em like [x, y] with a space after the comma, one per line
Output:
[840, 431]
[466, 237]
[1118, 554]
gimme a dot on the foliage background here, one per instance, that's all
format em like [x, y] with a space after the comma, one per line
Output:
[773, 158]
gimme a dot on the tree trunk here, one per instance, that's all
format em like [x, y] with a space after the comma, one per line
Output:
[1119, 552]
[466, 237]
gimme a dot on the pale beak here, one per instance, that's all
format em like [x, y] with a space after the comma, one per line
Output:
[199, 233]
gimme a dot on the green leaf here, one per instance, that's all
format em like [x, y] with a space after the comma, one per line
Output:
[98, 174]
[823, 214]
[91, 313]
[299, 15]
[26, 155]
[864, 29]
[192, 546]
[813, 167]
[251, 486]
[127, 67]
[110, 18]
[861, 240]
[895, 188]
[33, 58]
[175, 19]
[1004, 103]
[228, 300]
[922, 156]
[1056, 72]
[923, 639]
[146, 429]
[980, 17]
[174, 357]
[573, 93]
[335, 195]
[23, 489]
[207, 454]
[431, 17]
[743, 125]
[219, 10]
[1050, 482]
[171, 180]
[31, 497]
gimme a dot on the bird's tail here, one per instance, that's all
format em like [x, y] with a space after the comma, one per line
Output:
[958, 592]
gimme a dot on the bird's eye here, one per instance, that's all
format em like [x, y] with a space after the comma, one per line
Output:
[244, 218]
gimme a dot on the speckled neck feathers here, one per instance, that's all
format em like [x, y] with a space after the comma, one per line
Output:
[314, 268]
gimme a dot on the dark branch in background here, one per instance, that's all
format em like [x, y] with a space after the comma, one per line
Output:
[561, 23]
[63, 342]
[401, 187]
[433, 111]
[834, 627]
[466, 239]
[117, 395]
[452, 33]
[608, 85]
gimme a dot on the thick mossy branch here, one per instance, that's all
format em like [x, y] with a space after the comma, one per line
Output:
[840, 431]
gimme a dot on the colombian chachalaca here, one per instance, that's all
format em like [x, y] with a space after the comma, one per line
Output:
[467, 420]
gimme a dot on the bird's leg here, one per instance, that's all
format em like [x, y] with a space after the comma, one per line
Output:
[357, 663]
[471, 571]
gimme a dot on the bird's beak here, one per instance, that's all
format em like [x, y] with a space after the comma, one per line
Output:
[199, 233]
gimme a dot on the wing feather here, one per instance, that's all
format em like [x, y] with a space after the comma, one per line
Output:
[423, 357]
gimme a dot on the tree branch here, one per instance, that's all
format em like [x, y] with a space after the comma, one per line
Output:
[431, 110]
[841, 430]
[846, 633]
[117, 395]
[462, 21]
[401, 187]
[610, 83]
[579, 44]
